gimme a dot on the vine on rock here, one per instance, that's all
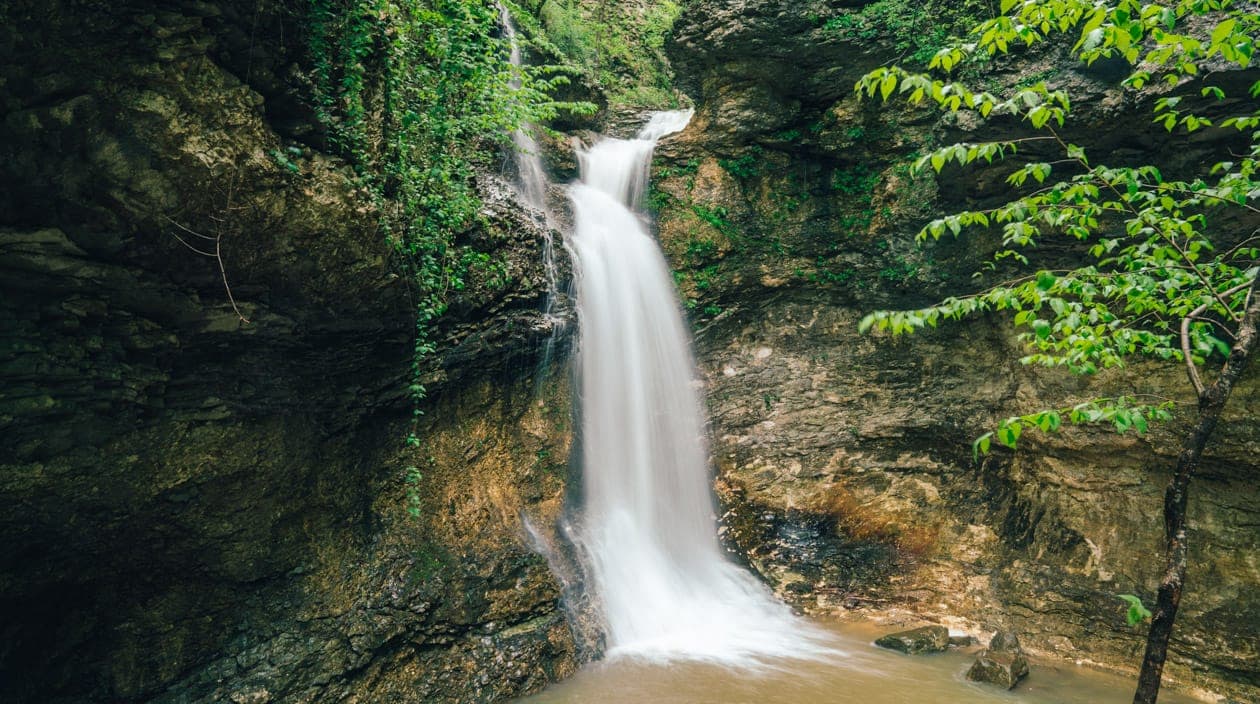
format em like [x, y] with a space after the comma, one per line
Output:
[416, 94]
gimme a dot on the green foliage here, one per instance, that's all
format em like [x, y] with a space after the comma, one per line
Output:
[900, 272]
[858, 184]
[415, 93]
[856, 181]
[1123, 413]
[412, 479]
[698, 250]
[745, 166]
[1136, 612]
[1163, 277]
[917, 30]
[715, 216]
[824, 274]
[284, 159]
[623, 50]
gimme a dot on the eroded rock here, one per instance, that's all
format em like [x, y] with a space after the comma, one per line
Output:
[200, 509]
[926, 639]
[788, 212]
[1002, 663]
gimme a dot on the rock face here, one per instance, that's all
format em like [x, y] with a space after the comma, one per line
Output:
[927, 639]
[845, 463]
[203, 509]
[1002, 663]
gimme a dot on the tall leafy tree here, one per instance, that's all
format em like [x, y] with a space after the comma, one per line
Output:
[1165, 270]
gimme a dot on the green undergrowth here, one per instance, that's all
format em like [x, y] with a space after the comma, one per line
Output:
[416, 94]
[622, 46]
[812, 226]
[915, 30]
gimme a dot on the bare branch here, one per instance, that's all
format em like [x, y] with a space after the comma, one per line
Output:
[227, 287]
[1191, 370]
[189, 246]
[189, 231]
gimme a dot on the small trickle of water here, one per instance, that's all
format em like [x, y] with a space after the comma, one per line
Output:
[647, 528]
[532, 184]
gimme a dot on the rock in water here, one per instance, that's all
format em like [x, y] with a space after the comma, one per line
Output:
[1001, 663]
[928, 639]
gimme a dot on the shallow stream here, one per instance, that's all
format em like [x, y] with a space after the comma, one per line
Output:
[864, 674]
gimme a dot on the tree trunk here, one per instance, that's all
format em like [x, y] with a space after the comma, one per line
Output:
[1211, 404]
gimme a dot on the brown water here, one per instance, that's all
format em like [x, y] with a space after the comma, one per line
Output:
[865, 674]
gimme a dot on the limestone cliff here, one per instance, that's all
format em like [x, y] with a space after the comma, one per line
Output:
[203, 509]
[845, 461]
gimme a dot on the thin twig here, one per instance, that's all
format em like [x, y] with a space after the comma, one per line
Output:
[189, 231]
[217, 254]
[189, 246]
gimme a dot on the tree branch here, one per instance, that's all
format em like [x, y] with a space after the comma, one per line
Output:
[1191, 370]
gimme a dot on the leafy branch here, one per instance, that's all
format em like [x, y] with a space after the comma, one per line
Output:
[1162, 275]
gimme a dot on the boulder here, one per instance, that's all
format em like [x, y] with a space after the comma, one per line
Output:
[928, 639]
[1002, 663]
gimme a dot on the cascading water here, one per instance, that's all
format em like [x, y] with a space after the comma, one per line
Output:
[532, 183]
[647, 528]
[531, 176]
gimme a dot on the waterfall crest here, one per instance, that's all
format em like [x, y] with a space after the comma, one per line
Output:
[647, 528]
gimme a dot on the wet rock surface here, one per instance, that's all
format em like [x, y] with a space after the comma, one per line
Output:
[846, 474]
[203, 509]
[1002, 663]
[926, 639]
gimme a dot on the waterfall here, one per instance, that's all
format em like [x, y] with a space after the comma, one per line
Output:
[647, 528]
[531, 176]
[532, 184]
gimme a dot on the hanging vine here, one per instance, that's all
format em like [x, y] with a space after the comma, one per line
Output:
[416, 93]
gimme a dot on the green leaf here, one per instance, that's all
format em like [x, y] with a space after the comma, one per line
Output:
[1008, 433]
[887, 85]
[1137, 613]
[1139, 423]
[1223, 30]
[981, 445]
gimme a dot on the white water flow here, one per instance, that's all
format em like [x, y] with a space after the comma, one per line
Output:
[648, 530]
[532, 184]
